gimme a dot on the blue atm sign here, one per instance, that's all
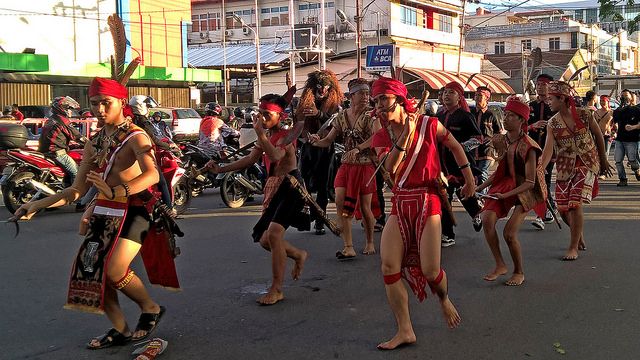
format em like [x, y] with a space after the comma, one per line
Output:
[380, 57]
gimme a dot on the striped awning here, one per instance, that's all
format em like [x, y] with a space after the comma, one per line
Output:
[436, 79]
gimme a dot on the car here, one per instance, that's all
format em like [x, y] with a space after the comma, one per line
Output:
[184, 122]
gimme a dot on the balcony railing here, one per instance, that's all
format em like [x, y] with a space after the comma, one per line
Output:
[518, 30]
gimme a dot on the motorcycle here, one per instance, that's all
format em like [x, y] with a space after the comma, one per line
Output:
[169, 163]
[194, 158]
[31, 176]
[239, 186]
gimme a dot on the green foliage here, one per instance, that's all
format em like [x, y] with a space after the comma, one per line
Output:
[608, 11]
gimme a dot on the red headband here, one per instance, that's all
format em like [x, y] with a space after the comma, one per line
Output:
[455, 86]
[385, 85]
[108, 87]
[269, 106]
[604, 97]
[518, 107]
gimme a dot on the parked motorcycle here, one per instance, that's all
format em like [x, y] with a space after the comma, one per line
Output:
[239, 186]
[174, 174]
[31, 176]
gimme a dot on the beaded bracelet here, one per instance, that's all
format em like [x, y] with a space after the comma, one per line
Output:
[401, 149]
[126, 189]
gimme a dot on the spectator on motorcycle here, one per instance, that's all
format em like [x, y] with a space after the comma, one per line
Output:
[213, 130]
[15, 112]
[6, 113]
[161, 127]
[140, 109]
[57, 133]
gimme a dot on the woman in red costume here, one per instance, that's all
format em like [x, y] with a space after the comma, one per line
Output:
[410, 245]
[581, 157]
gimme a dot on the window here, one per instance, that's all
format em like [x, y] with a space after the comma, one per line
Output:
[526, 44]
[303, 7]
[445, 23]
[499, 47]
[330, 4]
[265, 11]
[203, 22]
[195, 23]
[408, 15]
[284, 9]
[275, 10]
[554, 43]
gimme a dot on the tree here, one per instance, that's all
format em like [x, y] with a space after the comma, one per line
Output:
[611, 9]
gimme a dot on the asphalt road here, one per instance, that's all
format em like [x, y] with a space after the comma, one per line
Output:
[587, 308]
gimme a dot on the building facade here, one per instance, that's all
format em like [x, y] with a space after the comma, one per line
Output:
[426, 35]
[69, 43]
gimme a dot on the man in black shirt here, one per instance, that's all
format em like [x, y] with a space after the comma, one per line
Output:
[462, 125]
[627, 118]
[537, 127]
[488, 125]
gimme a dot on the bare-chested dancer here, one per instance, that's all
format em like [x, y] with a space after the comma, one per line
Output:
[410, 245]
[119, 162]
[282, 205]
[515, 184]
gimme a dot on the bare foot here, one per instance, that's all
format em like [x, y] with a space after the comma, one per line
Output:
[572, 254]
[498, 271]
[299, 265]
[515, 280]
[270, 298]
[582, 246]
[398, 340]
[450, 313]
[370, 249]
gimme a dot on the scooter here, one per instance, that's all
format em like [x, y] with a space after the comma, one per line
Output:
[30, 176]
[169, 163]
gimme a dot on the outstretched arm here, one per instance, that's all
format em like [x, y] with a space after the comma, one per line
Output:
[239, 164]
[315, 140]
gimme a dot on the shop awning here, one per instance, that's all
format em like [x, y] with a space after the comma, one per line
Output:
[18, 62]
[436, 79]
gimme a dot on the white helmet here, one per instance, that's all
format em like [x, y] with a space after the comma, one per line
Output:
[138, 105]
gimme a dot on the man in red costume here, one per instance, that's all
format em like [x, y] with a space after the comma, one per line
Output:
[282, 205]
[355, 126]
[119, 162]
[581, 157]
[410, 245]
[514, 184]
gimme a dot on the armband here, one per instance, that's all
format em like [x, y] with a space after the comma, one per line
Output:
[464, 166]
[397, 147]
[530, 181]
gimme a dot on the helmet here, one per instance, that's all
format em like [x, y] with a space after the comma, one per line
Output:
[86, 114]
[62, 105]
[213, 108]
[139, 105]
[238, 112]
[431, 108]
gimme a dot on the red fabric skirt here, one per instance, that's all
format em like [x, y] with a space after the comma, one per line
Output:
[413, 207]
[580, 189]
[354, 178]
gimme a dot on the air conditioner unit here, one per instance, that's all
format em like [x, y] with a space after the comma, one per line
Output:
[246, 31]
[228, 32]
[204, 35]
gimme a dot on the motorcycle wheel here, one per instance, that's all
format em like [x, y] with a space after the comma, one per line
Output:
[233, 193]
[18, 191]
[181, 196]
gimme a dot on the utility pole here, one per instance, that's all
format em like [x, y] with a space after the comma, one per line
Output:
[292, 41]
[358, 20]
[464, 3]
[323, 44]
[224, 53]
[258, 65]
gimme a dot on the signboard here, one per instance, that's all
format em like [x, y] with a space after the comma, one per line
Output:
[380, 57]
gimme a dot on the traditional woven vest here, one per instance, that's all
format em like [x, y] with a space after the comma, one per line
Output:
[573, 144]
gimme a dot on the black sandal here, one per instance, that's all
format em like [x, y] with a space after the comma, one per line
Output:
[148, 322]
[112, 338]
